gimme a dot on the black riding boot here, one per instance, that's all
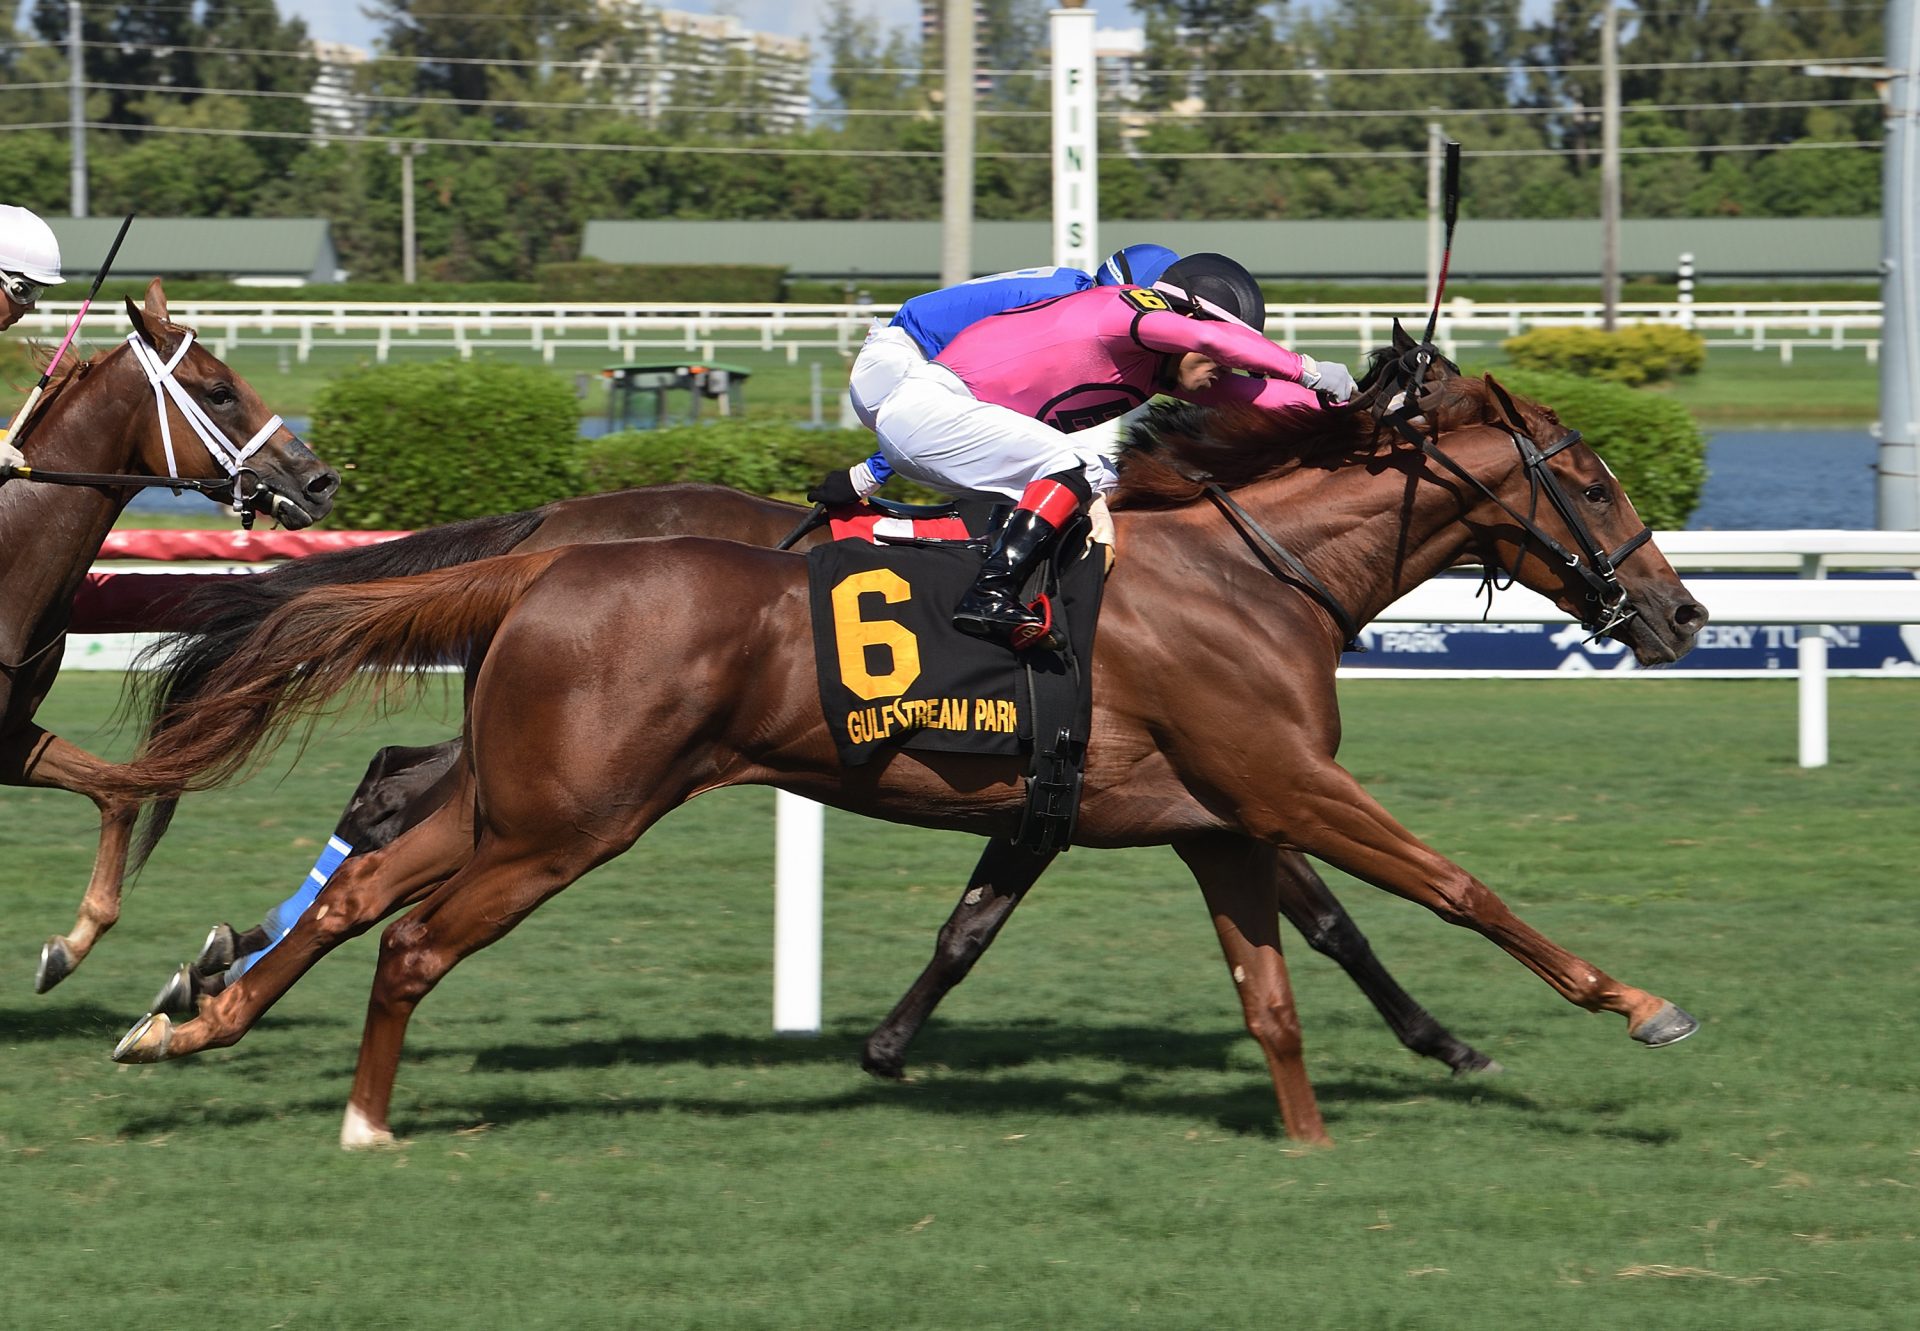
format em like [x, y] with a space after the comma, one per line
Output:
[992, 608]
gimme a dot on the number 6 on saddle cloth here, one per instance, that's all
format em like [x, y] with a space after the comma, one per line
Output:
[895, 673]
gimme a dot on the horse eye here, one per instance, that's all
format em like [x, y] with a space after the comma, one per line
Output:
[1596, 493]
[221, 396]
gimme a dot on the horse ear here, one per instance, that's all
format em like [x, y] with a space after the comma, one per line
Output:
[151, 320]
[1402, 340]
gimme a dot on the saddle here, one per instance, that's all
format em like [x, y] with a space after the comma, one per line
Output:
[895, 674]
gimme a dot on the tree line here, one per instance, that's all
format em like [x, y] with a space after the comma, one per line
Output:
[1239, 109]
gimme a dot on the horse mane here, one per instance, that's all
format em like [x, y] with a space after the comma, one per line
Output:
[1170, 455]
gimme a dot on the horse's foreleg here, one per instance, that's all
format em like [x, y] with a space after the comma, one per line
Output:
[364, 890]
[36, 757]
[1329, 814]
[999, 881]
[1239, 876]
[1311, 907]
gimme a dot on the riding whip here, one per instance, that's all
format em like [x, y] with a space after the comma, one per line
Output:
[23, 419]
[1452, 212]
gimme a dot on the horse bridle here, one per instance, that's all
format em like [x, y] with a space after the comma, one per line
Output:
[243, 490]
[1592, 563]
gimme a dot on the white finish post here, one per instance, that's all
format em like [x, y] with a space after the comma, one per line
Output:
[1076, 140]
[76, 111]
[1897, 493]
[1813, 679]
[799, 840]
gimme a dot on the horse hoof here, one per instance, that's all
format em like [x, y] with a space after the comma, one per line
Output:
[358, 1133]
[1666, 1026]
[1480, 1066]
[219, 951]
[147, 1042]
[179, 996]
[891, 1068]
[57, 962]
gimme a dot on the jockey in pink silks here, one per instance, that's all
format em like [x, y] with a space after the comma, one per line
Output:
[994, 414]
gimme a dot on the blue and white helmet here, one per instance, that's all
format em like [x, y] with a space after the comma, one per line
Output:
[1135, 266]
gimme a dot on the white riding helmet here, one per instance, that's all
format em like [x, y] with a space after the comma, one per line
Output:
[28, 246]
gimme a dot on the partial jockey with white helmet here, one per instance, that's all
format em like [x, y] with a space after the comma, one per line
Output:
[925, 324]
[29, 264]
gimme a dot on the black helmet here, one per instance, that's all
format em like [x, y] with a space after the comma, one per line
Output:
[1219, 281]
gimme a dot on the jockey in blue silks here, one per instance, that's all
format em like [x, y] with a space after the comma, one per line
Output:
[925, 324]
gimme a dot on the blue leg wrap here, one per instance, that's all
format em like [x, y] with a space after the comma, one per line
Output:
[281, 919]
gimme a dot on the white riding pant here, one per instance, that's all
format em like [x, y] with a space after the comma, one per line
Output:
[885, 360]
[934, 431]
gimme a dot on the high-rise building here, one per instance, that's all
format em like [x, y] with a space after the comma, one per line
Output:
[336, 106]
[677, 58]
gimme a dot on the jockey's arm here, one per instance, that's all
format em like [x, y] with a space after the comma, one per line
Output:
[1234, 347]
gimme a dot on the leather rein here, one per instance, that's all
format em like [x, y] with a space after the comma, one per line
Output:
[1592, 562]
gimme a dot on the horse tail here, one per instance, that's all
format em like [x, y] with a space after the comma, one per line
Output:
[173, 672]
[312, 649]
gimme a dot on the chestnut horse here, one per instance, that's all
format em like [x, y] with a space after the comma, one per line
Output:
[119, 413]
[616, 681]
[403, 785]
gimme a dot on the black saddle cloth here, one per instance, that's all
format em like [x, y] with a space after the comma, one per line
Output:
[895, 673]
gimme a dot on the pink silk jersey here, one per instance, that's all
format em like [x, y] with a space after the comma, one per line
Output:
[1075, 361]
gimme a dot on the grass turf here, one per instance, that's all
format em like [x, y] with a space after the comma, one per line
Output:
[602, 1133]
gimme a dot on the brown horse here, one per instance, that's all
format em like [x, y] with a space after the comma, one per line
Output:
[117, 413]
[620, 680]
[403, 785]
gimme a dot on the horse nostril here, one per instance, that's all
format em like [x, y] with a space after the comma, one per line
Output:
[323, 485]
[1690, 615]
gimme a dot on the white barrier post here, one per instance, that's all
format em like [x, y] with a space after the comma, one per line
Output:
[1813, 679]
[799, 839]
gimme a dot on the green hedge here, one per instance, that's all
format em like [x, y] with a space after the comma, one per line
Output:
[419, 445]
[767, 457]
[1652, 443]
[1642, 354]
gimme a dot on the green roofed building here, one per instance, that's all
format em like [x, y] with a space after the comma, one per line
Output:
[252, 251]
[1783, 249]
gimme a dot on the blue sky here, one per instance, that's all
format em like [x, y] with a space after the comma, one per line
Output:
[341, 20]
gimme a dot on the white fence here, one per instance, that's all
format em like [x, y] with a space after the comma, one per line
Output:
[636, 332]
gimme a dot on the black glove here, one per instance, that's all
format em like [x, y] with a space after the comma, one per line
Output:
[835, 490]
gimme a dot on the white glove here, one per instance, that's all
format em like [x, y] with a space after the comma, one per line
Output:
[1328, 376]
[11, 456]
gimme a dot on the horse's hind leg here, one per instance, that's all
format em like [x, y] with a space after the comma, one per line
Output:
[1311, 907]
[1238, 877]
[999, 881]
[36, 757]
[365, 889]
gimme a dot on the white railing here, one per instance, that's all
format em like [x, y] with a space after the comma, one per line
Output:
[633, 332]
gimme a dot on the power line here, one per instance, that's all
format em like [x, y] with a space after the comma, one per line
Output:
[930, 73]
[324, 137]
[816, 109]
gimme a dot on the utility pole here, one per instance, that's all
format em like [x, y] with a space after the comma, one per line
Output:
[77, 109]
[406, 153]
[1609, 164]
[1897, 493]
[1897, 497]
[956, 177]
[1436, 156]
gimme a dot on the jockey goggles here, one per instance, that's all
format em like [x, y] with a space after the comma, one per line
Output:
[21, 290]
